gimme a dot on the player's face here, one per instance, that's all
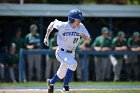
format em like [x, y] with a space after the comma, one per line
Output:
[33, 32]
[105, 34]
[121, 38]
[12, 50]
[76, 23]
[136, 38]
[18, 33]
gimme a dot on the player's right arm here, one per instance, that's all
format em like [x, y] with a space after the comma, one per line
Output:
[49, 30]
[55, 24]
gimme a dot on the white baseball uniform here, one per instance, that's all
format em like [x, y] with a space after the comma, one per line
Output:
[67, 40]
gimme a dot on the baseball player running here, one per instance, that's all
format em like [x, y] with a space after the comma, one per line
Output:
[69, 34]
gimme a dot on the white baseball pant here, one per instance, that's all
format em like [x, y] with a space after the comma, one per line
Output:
[67, 61]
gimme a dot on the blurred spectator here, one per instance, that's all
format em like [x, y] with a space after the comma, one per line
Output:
[51, 61]
[32, 41]
[18, 40]
[2, 43]
[1, 71]
[83, 46]
[119, 43]
[109, 68]
[132, 65]
[12, 61]
[102, 43]
[1, 59]
[1, 39]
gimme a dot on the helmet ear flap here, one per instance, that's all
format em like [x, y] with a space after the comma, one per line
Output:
[70, 20]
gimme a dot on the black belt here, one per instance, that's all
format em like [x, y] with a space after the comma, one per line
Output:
[68, 51]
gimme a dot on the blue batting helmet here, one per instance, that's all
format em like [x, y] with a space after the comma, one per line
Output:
[75, 14]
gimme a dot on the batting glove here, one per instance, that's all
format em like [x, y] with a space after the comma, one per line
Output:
[46, 41]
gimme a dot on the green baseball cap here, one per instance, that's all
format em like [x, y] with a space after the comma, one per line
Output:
[33, 27]
[105, 30]
[121, 33]
[136, 34]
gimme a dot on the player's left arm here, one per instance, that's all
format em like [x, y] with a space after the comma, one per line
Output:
[84, 34]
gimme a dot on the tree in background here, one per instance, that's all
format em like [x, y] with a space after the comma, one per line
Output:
[134, 2]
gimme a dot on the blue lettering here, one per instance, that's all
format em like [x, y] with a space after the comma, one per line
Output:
[73, 33]
[67, 33]
[63, 34]
[70, 34]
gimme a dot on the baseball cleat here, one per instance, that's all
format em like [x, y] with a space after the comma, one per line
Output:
[50, 87]
[65, 89]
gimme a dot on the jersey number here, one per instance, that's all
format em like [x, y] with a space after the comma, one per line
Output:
[75, 40]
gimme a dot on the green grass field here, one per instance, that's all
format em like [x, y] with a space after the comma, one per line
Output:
[43, 84]
[105, 91]
[73, 84]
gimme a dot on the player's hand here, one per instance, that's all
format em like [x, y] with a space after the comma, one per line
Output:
[82, 35]
[30, 46]
[86, 39]
[46, 41]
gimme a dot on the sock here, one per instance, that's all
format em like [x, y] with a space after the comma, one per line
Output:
[68, 77]
[54, 79]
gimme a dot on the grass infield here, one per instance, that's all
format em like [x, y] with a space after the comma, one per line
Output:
[32, 84]
[74, 84]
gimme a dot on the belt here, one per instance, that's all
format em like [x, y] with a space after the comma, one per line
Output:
[68, 51]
